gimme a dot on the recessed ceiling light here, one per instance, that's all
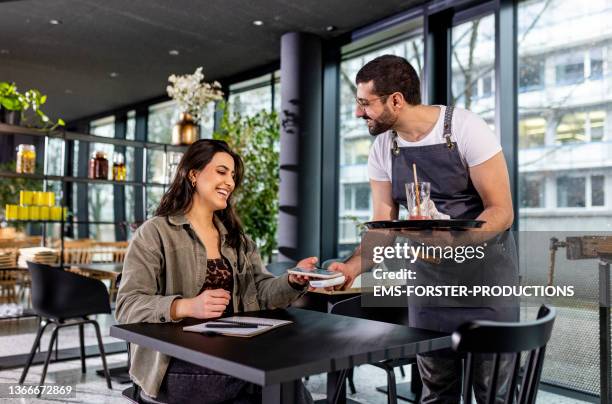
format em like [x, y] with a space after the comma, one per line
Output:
[113, 74]
[55, 22]
[330, 28]
[173, 52]
[258, 23]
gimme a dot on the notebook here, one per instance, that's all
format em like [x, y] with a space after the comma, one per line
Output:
[263, 325]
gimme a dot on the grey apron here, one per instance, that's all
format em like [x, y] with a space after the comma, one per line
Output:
[454, 194]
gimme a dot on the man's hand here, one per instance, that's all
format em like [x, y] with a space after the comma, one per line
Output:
[349, 274]
[306, 263]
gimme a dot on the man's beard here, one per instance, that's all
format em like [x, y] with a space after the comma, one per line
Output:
[383, 123]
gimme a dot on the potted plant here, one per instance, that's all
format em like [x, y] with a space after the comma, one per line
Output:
[255, 139]
[14, 105]
[192, 94]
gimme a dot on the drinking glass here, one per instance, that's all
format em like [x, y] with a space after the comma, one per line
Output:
[414, 213]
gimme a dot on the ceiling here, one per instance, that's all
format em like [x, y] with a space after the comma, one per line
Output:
[72, 61]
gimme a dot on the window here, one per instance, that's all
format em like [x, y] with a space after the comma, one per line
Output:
[154, 195]
[473, 66]
[251, 96]
[597, 190]
[571, 128]
[596, 64]
[570, 68]
[156, 166]
[532, 132]
[130, 130]
[571, 192]
[531, 192]
[596, 120]
[581, 126]
[103, 127]
[101, 209]
[355, 141]
[356, 151]
[162, 118]
[531, 74]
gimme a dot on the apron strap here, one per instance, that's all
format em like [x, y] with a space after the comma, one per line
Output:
[395, 151]
[448, 122]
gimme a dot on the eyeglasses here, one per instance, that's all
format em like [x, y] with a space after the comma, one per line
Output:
[365, 103]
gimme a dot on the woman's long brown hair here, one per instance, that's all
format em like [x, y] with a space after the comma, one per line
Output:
[178, 198]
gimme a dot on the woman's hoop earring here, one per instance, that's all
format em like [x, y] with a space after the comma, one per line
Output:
[193, 182]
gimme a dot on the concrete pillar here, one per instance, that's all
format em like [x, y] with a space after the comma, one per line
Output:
[300, 148]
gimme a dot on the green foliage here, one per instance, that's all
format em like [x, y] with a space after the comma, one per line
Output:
[256, 139]
[11, 99]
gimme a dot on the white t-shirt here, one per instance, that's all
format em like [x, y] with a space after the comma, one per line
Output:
[476, 143]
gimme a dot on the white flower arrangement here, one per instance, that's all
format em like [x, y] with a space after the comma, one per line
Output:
[192, 93]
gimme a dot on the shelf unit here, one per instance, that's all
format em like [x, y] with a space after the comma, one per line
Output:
[67, 181]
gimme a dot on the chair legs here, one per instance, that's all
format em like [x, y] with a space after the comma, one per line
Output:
[56, 327]
[48, 358]
[391, 382]
[82, 347]
[351, 382]
[42, 325]
[102, 354]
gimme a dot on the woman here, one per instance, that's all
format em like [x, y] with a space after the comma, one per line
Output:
[193, 260]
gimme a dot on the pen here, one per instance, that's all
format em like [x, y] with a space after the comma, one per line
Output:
[228, 325]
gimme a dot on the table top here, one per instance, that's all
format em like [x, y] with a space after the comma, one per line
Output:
[315, 343]
[112, 267]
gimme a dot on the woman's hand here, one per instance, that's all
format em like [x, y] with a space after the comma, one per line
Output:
[208, 304]
[306, 263]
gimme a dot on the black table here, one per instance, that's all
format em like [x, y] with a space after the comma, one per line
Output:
[315, 343]
[114, 268]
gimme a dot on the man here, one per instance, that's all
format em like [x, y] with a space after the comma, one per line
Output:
[459, 155]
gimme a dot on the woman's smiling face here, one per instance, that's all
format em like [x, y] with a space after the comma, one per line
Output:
[215, 183]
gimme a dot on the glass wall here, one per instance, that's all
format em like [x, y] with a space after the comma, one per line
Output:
[565, 115]
[473, 67]
[355, 205]
[251, 96]
[564, 163]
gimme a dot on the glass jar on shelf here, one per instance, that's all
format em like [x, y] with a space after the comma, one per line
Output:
[98, 166]
[26, 159]
[119, 169]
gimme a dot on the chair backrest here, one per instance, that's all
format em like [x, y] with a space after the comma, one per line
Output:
[279, 268]
[497, 338]
[61, 294]
[325, 264]
[351, 307]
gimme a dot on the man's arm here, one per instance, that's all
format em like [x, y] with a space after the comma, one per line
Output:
[384, 208]
[493, 185]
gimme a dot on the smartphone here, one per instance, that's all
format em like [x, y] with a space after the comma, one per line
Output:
[319, 273]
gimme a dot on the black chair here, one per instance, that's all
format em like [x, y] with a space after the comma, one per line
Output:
[65, 299]
[395, 315]
[497, 338]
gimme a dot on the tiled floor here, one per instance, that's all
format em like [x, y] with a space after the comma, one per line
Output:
[91, 388]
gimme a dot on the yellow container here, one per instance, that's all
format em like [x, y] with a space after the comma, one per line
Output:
[34, 212]
[44, 213]
[56, 212]
[23, 213]
[50, 198]
[12, 212]
[25, 198]
[36, 197]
